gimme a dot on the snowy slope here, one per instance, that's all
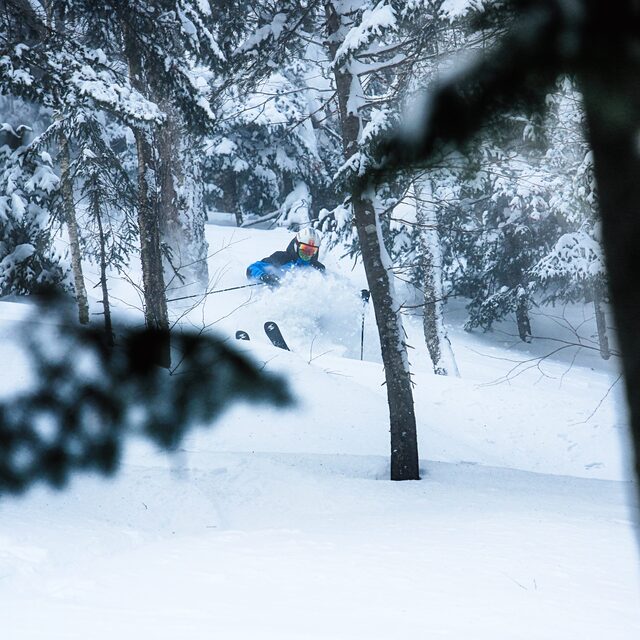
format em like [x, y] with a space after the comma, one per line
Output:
[283, 525]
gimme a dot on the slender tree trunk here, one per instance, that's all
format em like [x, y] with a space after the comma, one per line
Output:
[230, 195]
[108, 326]
[66, 187]
[601, 324]
[435, 332]
[66, 183]
[404, 446]
[522, 316]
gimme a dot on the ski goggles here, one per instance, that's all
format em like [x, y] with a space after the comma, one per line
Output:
[307, 251]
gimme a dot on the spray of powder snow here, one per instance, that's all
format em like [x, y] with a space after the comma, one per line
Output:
[318, 314]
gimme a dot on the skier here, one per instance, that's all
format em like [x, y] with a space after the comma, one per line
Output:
[302, 252]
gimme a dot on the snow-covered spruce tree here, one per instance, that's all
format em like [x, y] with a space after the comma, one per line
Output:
[265, 158]
[574, 269]
[28, 187]
[28, 182]
[47, 59]
[270, 156]
[503, 224]
[160, 45]
[490, 201]
[519, 201]
[106, 201]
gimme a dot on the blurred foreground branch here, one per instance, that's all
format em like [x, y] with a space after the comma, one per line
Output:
[87, 397]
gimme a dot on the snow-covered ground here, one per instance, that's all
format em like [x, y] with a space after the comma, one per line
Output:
[282, 524]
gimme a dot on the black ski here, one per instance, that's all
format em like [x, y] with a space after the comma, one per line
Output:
[273, 333]
[242, 335]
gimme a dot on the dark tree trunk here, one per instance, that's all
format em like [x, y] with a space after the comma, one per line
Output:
[522, 319]
[611, 88]
[155, 299]
[168, 147]
[150, 248]
[230, 195]
[404, 446]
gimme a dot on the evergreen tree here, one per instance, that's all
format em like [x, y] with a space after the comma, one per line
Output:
[107, 197]
[573, 270]
[500, 222]
[28, 187]
[267, 143]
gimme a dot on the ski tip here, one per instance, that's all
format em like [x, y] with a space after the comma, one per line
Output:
[242, 335]
[275, 335]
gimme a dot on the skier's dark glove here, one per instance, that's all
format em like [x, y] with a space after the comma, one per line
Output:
[270, 280]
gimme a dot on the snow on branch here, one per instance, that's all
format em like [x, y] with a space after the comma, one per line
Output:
[272, 30]
[374, 23]
[575, 255]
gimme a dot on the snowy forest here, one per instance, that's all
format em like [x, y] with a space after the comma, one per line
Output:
[464, 167]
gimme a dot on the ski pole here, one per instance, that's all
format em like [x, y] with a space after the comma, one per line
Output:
[365, 294]
[208, 293]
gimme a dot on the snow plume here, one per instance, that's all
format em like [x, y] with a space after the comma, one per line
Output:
[317, 313]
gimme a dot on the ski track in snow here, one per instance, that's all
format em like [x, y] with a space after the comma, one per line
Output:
[282, 524]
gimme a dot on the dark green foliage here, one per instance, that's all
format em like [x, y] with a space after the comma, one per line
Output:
[498, 245]
[89, 397]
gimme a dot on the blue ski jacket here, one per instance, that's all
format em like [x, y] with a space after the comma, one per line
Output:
[278, 263]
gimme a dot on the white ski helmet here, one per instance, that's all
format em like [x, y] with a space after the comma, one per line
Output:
[309, 236]
[307, 243]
